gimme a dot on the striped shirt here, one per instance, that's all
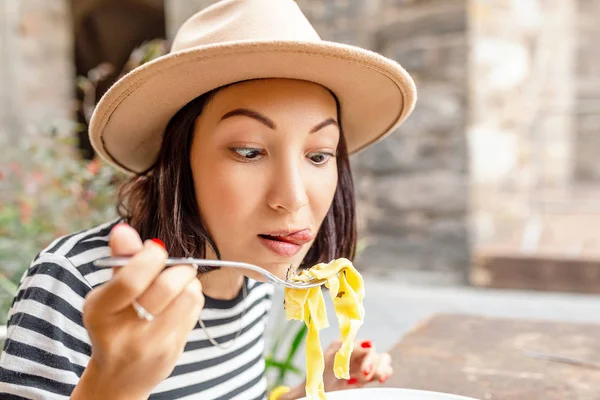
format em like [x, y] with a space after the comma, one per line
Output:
[48, 348]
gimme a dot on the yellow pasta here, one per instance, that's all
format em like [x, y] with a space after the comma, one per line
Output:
[346, 289]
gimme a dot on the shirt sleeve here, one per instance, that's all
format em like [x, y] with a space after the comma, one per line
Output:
[47, 346]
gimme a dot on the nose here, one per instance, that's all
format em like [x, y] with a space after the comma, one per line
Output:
[288, 189]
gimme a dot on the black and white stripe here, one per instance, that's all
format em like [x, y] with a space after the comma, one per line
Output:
[48, 348]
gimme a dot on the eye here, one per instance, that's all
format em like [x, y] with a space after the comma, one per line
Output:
[320, 158]
[248, 153]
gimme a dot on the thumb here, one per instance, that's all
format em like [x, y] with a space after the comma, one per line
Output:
[333, 347]
[124, 241]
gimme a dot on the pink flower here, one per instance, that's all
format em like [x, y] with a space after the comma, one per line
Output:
[94, 166]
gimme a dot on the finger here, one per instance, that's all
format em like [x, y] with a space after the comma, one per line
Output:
[334, 347]
[133, 279]
[361, 356]
[363, 361]
[360, 350]
[362, 370]
[166, 287]
[124, 241]
[368, 366]
[354, 383]
[383, 369]
[182, 314]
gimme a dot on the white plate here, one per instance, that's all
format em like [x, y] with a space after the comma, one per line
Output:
[391, 394]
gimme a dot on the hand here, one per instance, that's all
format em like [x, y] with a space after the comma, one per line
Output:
[366, 365]
[131, 356]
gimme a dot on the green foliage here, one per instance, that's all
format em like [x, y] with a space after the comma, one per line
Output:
[50, 192]
[297, 332]
[47, 190]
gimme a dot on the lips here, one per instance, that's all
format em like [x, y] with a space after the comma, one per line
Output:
[286, 243]
[298, 237]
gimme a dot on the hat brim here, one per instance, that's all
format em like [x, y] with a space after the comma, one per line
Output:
[375, 94]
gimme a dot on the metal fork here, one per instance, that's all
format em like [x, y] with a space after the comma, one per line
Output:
[196, 262]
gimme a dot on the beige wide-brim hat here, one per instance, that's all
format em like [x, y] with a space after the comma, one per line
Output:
[238, 40]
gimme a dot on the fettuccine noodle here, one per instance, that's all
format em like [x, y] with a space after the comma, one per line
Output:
[346, 289]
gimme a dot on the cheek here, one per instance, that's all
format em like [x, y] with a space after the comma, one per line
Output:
[228, 204]
[223, 194]
[321, 190]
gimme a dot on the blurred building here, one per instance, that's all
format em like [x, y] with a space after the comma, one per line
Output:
[509, 97]
[534, 104]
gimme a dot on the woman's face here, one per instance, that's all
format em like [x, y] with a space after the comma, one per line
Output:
[263, 161]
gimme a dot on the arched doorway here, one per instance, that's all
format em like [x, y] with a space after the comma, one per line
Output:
[107, 31]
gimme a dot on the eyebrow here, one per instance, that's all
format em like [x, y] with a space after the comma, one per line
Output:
[269, 122]
[323, 124]
[252, 114]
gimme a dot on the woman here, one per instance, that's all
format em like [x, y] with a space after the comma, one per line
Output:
[238, 143]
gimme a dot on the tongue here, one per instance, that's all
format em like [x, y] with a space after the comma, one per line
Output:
[275, 238]
[294, 238]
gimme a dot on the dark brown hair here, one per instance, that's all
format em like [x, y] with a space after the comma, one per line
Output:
[161, 202]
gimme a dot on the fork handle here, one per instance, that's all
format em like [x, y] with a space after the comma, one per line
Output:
[122, 261]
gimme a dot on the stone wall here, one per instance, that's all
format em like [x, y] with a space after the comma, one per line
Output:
[521, 113]
[588, 92]
[412, 187]
[414, 184]
[36, 66]
[507, 117]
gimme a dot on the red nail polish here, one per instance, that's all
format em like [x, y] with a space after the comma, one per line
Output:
[384, 378]
[368, 369]
[367, 344]
[352, 381]
[159, 242]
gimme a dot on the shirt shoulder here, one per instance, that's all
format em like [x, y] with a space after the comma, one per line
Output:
[81, 249]
[47, 346]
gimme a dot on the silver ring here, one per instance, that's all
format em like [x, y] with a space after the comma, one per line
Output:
[141, 312]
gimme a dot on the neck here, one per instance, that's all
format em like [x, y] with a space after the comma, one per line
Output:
[222, 284]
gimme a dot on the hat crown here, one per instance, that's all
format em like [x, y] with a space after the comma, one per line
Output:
[243, 20]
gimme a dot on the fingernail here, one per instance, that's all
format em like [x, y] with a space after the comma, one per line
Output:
[367, 344]
[384, 378]
[159, 242]
[368, 369]
[352, 381]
